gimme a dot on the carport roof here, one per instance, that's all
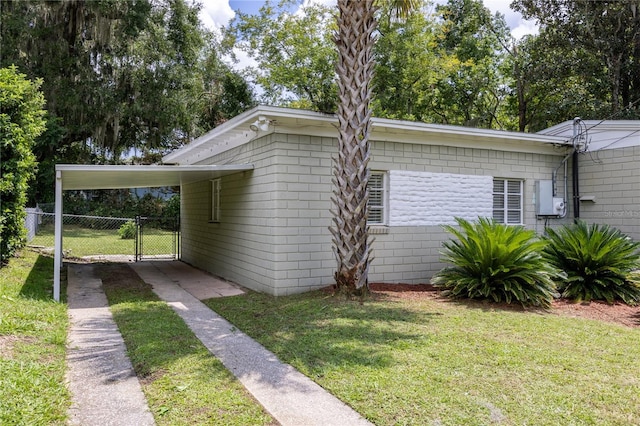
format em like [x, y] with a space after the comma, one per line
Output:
[82, 176]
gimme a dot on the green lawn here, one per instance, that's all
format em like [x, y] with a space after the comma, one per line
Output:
[33, 332]
[183, 383]
[416, 361]
[427, 362]
[80, 241]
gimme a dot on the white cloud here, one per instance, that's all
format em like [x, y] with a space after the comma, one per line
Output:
[216, 13]
[519, 26]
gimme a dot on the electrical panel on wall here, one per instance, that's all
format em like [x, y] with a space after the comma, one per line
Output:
[546, 204]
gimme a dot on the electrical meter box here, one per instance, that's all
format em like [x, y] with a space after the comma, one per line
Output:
[546, 203]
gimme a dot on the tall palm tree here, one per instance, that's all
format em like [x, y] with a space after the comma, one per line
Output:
[355, 39]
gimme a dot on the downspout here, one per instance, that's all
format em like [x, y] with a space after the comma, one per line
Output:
[575, 174]
[576, 188]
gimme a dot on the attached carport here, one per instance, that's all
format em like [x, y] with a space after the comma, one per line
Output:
[88, 177]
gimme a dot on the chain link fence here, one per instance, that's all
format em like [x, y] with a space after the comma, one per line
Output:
[105, 238]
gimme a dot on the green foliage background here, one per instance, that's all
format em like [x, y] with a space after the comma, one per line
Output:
[21, 121]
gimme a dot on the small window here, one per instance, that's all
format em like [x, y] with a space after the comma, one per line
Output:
[377, 198]
[507, 201]
[215, 201]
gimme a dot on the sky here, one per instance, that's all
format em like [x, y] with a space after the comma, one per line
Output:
[217, 13]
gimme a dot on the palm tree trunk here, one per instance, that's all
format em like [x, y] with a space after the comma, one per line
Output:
[351, 243]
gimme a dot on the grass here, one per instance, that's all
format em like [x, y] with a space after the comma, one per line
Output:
[183, 383]
[80, 241]
[422, 361]
[33, 331]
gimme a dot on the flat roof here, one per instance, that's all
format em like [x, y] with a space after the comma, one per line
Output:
[85, 176]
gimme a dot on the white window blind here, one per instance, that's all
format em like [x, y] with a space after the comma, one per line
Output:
[376, 198]
[507, 201]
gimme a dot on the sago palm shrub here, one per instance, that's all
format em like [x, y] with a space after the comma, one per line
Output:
[496, 261]
[600, 262]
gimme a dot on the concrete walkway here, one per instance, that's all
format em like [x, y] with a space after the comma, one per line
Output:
[98, 362]
[104, 388]
[289, 396]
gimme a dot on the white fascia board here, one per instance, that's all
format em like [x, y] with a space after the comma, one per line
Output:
[236, 132]
[470, 132]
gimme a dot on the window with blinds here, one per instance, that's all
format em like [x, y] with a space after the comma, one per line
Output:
[376, 198]
[507, 201]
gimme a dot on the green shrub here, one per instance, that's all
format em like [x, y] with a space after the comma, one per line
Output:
[601, 263]
[496, 261]
[128, 230]
[21, 122]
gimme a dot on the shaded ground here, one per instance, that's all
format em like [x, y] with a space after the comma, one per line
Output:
[617, 313]
[122, 275]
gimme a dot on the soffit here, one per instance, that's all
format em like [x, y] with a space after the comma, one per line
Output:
[85, 177]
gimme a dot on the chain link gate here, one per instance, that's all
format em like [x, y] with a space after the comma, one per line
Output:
[157, 238]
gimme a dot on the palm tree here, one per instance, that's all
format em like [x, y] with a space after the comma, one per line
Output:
[355, 39]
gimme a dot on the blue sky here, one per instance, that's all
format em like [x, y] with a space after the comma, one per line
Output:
[217, 13]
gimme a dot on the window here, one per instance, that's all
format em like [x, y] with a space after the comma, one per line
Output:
[215, 201]
[377, 198]
[507, 201]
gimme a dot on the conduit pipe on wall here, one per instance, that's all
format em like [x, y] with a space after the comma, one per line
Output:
[565, 194]
[575, 174]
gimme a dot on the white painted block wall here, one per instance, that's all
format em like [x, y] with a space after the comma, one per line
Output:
[427, 199]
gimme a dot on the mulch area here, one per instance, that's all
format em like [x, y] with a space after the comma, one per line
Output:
[618, 313]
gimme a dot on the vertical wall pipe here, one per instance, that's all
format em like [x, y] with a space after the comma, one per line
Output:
[575, 174]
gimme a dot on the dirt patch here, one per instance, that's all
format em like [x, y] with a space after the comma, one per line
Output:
[8, 343]
[618, 313]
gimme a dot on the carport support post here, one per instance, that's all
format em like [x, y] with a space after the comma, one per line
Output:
[57, 262]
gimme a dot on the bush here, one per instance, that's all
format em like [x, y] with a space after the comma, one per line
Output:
[601, 263]
[128, 230]
[21, 121]
[497, 261]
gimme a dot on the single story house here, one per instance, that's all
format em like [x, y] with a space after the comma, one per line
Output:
[267, 227]
[256, 191]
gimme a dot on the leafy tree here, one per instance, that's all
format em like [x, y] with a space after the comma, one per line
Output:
[119, 75]
[21, 121]
[295, 54]
[608, 31]
[473, 92]
[408, 65]
[544, 87]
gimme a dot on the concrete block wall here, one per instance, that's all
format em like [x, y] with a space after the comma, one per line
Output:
[411, 254]
[239, 247]
[273, 235]
[612, 176]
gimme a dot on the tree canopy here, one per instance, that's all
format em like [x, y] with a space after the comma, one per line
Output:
[120, 77]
